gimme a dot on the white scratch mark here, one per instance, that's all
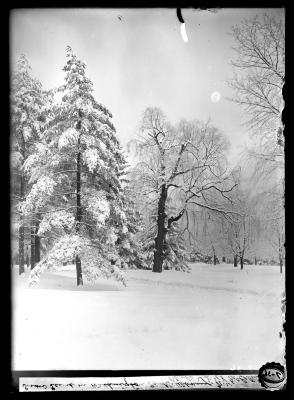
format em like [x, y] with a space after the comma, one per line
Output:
[183, 33]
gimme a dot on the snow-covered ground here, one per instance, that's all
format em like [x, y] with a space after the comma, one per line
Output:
[216, 317]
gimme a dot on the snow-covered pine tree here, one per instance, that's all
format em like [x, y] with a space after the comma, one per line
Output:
[148, 235]
[76, 182]
[28, 109]
[129, 243]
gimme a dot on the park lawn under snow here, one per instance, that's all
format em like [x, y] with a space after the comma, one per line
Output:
[216, 317]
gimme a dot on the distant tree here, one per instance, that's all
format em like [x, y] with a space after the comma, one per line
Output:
[273, 224]
[210, 239]
[240, 237]
[244, 233]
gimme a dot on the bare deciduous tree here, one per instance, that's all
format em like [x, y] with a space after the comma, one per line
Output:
[260, 67]
[258, 84]
[184, 164]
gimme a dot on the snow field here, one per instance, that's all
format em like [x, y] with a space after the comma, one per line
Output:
[216, 317]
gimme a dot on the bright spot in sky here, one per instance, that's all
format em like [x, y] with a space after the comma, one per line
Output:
[183, 33]
[215, 97]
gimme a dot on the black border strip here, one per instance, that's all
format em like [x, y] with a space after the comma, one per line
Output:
[14, 375]
[126, 373]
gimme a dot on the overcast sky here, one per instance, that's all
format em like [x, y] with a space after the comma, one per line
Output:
[137, 58]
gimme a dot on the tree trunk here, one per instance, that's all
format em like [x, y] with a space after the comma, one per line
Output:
[37, 240]
[27, 258]
[281, 265]
[241, 262]
[32, 247]
[79, 271]
[161, 231]
[21, 261]
[255, 261]
[214, 257]
[235, 261]
[224, 259]
[79, 216]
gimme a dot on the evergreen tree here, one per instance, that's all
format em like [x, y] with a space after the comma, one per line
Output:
[128, 244]
[148, 238]
[28, 110]
[76, 181]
